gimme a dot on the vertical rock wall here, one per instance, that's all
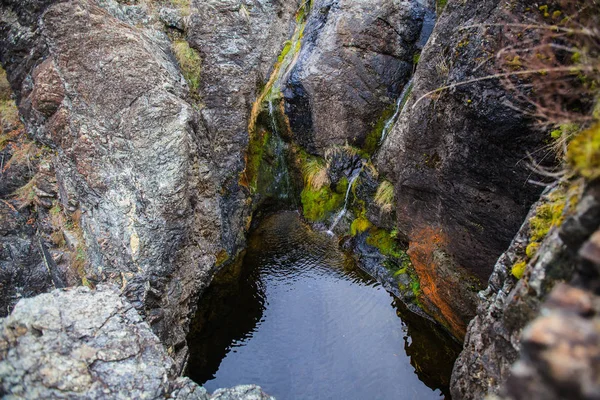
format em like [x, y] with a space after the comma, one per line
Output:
[456, 159]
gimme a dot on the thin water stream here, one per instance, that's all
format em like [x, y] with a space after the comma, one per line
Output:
[297, 317]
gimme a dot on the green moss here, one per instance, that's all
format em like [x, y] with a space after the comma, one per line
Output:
[583, 153]
[374, 136]
[189, 62]
[319, 204]
[359, 225]
[519, 269]
[286, 49]
[415, 286]
[440, 5]
[384, 242]
[255, 154]
[416, 57]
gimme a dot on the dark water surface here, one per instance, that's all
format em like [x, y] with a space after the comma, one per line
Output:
[298, 318]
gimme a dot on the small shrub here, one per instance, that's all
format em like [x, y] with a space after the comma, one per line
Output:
[384, 197]
[190, 63]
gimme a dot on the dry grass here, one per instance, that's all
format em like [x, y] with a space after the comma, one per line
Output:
[315, 173]
[190, 63]
[384, 197]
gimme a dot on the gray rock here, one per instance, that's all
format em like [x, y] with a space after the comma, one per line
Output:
[132, 156]
[560, 355]
[172, 18]
[83, 344]
[239, 42]
[355, 59]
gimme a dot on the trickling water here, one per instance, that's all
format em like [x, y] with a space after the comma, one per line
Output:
[299, 319]
[282, 181]
[342, 212]
[400, 103]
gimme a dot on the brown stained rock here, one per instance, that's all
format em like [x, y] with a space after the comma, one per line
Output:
[591, 249]
[48, 92]
[560, 357]
[442, 283]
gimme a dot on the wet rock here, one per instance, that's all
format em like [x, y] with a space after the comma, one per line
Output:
[239, 42]
[355, 59]
[88, 344]
[455, 159]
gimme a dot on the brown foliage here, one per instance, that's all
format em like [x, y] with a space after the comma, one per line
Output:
[550, 63]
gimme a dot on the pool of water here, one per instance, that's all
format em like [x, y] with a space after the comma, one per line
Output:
[297, 317]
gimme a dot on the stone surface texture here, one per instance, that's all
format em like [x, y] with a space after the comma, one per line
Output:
[355, 59]
[497, 337]
[83, 344]
[150, 172]
[455, 159]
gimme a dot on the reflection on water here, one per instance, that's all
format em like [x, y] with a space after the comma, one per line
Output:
[299, 319]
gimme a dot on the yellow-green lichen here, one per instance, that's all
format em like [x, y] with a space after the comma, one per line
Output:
[547, 215]
[532, 249]
[518, 269]
[583, 153]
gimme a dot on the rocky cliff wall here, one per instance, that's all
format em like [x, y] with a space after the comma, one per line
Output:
[456, 161]
[499, 335]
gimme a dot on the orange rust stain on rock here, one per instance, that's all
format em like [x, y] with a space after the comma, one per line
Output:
[436, 293]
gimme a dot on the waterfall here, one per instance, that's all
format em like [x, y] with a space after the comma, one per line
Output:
[399, 107]
[339, 216]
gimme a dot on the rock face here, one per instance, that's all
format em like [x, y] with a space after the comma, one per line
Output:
[455, 160]
[496, 335]
[239, 43]
[355, 59]
[109, 99]
[94, 345]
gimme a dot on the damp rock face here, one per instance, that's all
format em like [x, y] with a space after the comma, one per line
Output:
[88, 344]
[355, 59]
[455, 161]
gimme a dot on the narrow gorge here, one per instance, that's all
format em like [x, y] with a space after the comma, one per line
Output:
[240, 199]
